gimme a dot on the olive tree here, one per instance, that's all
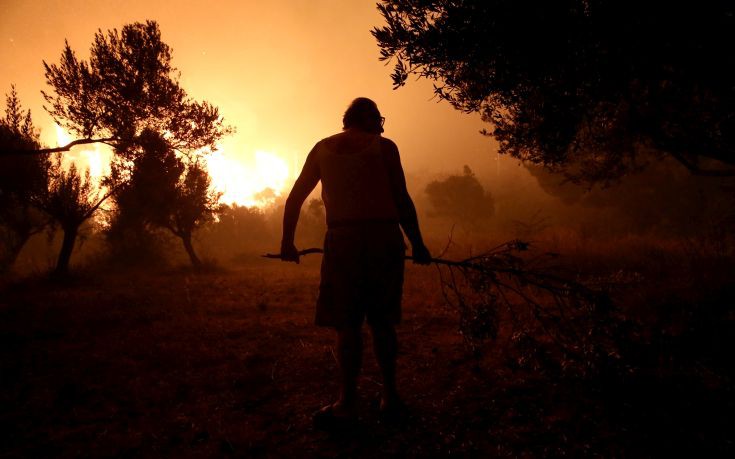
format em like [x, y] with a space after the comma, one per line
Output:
[71, 199]
[584, 87]
[128, 96]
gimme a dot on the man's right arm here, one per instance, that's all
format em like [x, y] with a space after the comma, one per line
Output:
[304, 185]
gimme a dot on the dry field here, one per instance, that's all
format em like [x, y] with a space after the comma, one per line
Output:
[227, 363]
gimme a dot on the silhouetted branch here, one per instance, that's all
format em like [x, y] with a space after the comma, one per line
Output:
[94, 208]
[66, 147]
[439, 261]
[694, 169]
[301, 252]
[529, 290]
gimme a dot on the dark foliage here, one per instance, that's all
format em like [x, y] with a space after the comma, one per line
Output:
[460, 197]
[128, 94]
[240, 233]
[195, 204]
[235, 221]
[71, 200]
[161, 192]
[579, 86]
[664, 197]
[129, 85]
[541, 304]
[22, 181]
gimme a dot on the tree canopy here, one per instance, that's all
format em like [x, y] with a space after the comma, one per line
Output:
[127, 86]
[163, 192]
[581, 86]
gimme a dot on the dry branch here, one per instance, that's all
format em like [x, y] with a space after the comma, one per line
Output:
[511, 282]
[66, 147]
[438, 261]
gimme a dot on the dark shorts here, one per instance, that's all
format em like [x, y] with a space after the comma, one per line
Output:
[362, 276]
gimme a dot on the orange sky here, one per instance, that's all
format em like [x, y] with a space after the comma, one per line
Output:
[282, 72]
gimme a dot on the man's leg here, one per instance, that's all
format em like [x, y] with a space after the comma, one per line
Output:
[349, 353]
[385, 346]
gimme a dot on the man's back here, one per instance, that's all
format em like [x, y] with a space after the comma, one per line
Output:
[355, 180]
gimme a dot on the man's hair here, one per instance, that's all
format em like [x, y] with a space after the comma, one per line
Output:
[363, 114]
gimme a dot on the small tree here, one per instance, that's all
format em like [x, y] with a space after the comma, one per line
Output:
[71, 200]
[163, 192]
[146, 188]
[195, 204]
[461, 197]
[22, 181]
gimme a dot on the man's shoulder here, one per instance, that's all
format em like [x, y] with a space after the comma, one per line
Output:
[332, 141]
[388, 145]
[328, 141]
[332, 137]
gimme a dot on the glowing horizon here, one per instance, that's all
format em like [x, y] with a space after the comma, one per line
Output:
[281, 72]
[244, 183]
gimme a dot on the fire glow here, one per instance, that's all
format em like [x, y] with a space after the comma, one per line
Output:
[239, 182]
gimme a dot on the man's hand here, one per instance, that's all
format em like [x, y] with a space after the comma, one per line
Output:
[421, 255]
[289, 252]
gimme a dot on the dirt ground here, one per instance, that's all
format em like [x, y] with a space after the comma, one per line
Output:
[228, 363]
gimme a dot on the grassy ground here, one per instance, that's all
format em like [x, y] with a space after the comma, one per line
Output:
[227, 362]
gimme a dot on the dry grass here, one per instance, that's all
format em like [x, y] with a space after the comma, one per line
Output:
[228, 362]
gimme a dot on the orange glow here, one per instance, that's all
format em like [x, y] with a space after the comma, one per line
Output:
[95, 157]
[241, 183]
[281, 72]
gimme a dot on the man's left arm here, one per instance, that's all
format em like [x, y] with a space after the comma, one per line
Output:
[406, 209]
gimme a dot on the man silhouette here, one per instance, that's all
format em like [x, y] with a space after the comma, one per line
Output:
[366, 201]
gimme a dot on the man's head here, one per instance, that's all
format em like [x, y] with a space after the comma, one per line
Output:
[363, 114]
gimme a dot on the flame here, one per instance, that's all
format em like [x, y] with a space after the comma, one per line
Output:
[246, 185]
[258, 183]
[93, 157]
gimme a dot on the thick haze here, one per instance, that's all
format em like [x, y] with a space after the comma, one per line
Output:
[281, 72]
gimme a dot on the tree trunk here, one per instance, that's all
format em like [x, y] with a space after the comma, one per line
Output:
[67, 247]
[186, 237]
